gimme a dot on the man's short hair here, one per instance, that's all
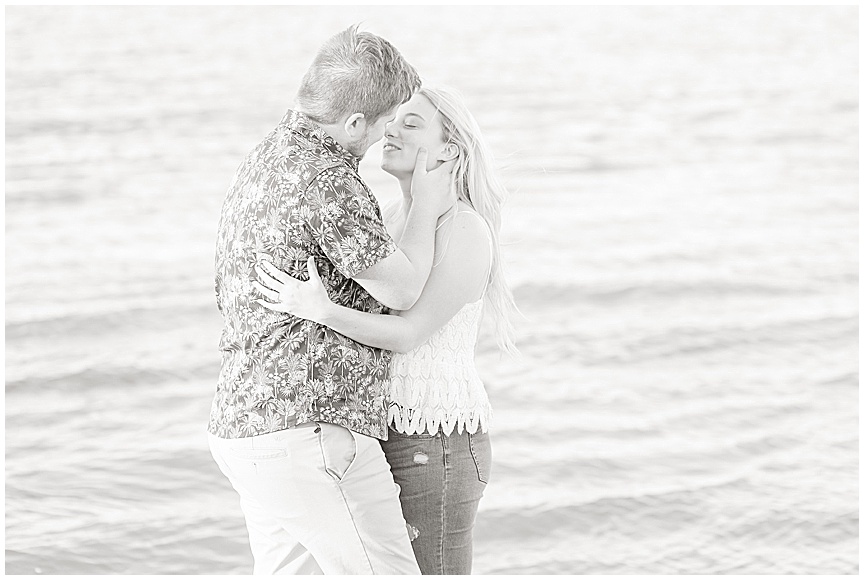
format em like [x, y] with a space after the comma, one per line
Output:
[356, 72]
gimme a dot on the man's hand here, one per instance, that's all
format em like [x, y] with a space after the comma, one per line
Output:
[433, 190]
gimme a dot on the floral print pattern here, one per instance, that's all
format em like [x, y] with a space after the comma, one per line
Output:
[297, 194]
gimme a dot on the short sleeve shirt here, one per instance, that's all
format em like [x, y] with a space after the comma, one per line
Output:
[296, 195]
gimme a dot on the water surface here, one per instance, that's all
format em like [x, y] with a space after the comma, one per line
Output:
[682, 240]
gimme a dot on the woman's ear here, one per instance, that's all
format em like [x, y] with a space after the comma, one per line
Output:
[449, 152]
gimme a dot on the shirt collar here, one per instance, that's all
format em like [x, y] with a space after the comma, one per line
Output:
[300, 123]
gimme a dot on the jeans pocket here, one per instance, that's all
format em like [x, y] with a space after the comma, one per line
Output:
[481, 451]
[338, 449]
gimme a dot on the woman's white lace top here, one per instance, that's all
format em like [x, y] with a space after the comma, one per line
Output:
[437, 385]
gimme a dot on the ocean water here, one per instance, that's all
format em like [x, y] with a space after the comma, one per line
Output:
[682, 239]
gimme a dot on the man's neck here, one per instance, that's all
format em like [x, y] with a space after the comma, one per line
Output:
[334, 131]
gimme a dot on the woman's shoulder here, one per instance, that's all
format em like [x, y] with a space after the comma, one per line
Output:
[470, 221]
[465, 207]
[468, 237]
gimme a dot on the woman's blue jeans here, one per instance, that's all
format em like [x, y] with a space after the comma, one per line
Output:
[442, 478]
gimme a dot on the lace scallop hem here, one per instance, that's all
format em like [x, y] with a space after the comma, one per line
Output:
[415, 421]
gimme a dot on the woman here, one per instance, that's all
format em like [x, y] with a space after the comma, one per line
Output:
[438, 447]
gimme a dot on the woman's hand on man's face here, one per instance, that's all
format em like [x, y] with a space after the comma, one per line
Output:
[308, 300]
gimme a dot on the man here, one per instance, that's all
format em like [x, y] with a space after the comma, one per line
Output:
[299, 408]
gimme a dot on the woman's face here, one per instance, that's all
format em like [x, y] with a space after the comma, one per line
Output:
[417, 124]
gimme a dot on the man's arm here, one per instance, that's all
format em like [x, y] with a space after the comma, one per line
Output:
[397, 280]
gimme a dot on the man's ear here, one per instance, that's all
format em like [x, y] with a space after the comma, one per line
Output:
[355, 125]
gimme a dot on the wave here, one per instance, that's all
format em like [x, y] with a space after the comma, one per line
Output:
[112, 378]
[566, 293]
[120, 318]
[648, 517]
[675, 340]
[665, 508]
[41, 196]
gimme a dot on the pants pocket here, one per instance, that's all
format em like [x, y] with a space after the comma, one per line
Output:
[481, 451]
[338, 449]
[257, 454]
[257, 448]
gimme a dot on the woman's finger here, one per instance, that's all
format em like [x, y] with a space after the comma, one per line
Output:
[268, 305]
[267, 278]
[275, 272]
[420, 162]
[271, 294]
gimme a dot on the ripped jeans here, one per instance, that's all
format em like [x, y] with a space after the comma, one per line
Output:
[442, 479]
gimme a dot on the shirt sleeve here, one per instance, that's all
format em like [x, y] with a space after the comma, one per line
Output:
[345, 220]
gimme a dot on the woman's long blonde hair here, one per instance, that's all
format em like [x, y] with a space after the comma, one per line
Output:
[478, 185]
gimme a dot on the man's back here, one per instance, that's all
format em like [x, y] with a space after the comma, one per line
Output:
[297, 194]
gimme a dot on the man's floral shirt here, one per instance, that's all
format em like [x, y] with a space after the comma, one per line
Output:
[297, 194]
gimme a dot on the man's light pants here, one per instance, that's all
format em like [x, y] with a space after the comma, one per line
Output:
[318, 498]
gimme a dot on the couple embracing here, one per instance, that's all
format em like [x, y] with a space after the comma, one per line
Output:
[348, 414]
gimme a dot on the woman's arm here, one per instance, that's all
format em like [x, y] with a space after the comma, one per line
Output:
[459, 278]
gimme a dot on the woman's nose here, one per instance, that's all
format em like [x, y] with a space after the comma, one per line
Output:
[389, 129]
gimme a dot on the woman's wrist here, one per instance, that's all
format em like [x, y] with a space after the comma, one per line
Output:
[327, 313]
